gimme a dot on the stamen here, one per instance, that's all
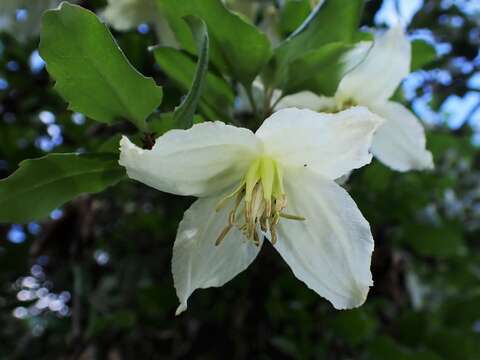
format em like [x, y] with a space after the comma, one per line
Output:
[263, 197]
[223, 234]
[292, 217]
[273, 234]
[221, 204]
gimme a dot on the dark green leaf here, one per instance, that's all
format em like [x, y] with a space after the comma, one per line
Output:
[237, 47]
[384, 347]
[319, 71]
[331, 21]
[441, 143]
[91, 71]
[41, 185]
[117, 320]
[437, 241]
[354, 326]
[293, 14]
[183, 115]
[161, 123]
[453, 345]
[422, 54]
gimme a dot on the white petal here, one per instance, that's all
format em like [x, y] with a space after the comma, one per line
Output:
[376, 78]
[400, 142]
[202, 160]
[331, 250]
[329, 144]
[306, 100]
[197, 262]
[357, 55]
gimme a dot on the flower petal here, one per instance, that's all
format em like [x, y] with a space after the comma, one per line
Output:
[376, 78]
[197, 262]
[202, 160]
[329, 144]
[306, 100]
[400, 142]
[331, 250]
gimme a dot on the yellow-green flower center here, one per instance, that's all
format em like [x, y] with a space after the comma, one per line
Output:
[259, 201]
[340, 105]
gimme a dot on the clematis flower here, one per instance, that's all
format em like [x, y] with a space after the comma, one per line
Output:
[278, 183]
[376, 72]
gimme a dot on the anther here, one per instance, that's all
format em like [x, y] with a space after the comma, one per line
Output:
[292, 217]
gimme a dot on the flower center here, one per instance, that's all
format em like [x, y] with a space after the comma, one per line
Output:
[342, 105]
[259, 202]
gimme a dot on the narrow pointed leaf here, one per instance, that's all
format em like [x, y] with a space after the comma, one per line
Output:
[42, 185]
[217, 96]
[183, 115]
[91, 71]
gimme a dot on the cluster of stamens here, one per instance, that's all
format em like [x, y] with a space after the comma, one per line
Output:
[259, 202]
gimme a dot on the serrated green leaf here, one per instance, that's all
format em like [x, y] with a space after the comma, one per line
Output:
[237, 47]
[183, 115]
[90, 70]
[41, 185]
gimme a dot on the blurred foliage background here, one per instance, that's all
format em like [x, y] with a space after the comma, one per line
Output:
[93, 281]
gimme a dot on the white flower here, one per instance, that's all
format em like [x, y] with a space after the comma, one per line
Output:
[400, 141]
[278, 181]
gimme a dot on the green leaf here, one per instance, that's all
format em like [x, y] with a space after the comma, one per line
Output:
[319, 71]
[331, 21]
[41, 185]
[183, 115]
[160, 123]
[237, 47]
[354, 326]
[293, 14]
[384, 347]
[442, 143]
[117, 320]
[437, 241]
[422, 54]
[91, 71]
[217, 96]
[453, 344]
